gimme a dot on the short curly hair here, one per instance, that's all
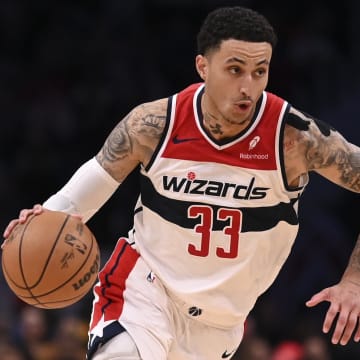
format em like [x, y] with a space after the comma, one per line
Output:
[237, 23]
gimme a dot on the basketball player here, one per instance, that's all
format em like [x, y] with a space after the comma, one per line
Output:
[223, 165]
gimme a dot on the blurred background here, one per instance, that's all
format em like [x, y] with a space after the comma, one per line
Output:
[70, 70]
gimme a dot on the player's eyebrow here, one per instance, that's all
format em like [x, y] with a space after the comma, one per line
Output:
[236, 59]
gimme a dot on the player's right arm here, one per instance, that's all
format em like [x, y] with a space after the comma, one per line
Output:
[133, 140]
[130, 143]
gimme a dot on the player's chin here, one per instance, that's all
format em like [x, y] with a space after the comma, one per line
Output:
[237, 119]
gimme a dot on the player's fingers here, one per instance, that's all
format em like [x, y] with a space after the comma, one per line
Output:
[318, 298]
[349, 328]
[38, 209]
[77, 216]
[9, 229]
[357, 334]
[24, 214]
[330, 316]
[340, 326]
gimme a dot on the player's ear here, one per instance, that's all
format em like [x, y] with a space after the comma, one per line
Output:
[201, 66]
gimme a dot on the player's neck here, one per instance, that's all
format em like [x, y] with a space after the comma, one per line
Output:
[218, 126]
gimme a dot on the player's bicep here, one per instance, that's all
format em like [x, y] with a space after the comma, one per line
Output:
[324, 150]
[341, 163]
[118, 153]
[134, 139]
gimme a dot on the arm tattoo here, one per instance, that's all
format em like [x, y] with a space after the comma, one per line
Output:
[118, 145]
[322, 153]
[153, 125]
[350, 171]
[135, 137]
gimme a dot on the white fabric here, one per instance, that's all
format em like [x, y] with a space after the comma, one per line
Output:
[159, 328]
[86, 191]
[206, 205]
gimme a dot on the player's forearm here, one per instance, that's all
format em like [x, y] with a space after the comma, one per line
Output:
[352, 272]
[85, 193]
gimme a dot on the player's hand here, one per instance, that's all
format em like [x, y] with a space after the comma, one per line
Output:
[344, 299]
[23, 216]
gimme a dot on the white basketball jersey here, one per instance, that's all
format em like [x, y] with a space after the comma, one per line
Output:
[215, 219]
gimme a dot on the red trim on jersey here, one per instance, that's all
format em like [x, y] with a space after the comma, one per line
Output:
[112, 283]
[187, 142]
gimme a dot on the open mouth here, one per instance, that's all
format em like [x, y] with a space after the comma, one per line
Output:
[243, 106]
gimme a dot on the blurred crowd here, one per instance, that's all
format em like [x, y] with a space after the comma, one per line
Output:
[69, 70]
[34, 334]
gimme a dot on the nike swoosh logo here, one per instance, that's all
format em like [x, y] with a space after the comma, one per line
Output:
[226, 354]
[176, 140]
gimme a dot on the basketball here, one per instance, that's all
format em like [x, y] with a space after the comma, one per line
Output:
[51, 261]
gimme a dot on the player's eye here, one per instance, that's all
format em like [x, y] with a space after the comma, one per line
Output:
[235, 70]
[260, 72]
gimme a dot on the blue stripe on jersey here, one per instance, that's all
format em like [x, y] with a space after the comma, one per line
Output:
[109, 332]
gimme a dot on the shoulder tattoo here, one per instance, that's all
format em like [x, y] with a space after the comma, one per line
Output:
[118, 144]
[139, 130]
[324, 147]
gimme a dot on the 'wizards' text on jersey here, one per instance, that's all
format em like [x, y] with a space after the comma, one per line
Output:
[213, 215]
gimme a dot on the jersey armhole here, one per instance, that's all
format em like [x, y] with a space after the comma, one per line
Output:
[303, 180]
[164, 134]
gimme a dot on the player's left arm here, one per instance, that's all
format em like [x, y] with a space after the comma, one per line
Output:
[344, 299]
[327, 152]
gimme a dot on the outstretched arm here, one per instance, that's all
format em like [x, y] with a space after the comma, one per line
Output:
[344, 299]
[312, 145]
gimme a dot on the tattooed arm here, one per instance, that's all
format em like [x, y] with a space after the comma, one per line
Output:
[344, 299]
[312, 145]
[133, 140]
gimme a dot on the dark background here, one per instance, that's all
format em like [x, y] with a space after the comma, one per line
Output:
[70, 70]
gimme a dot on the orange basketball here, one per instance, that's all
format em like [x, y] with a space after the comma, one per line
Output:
[51, 261]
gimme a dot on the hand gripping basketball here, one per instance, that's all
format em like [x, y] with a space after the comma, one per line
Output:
[51, 260]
